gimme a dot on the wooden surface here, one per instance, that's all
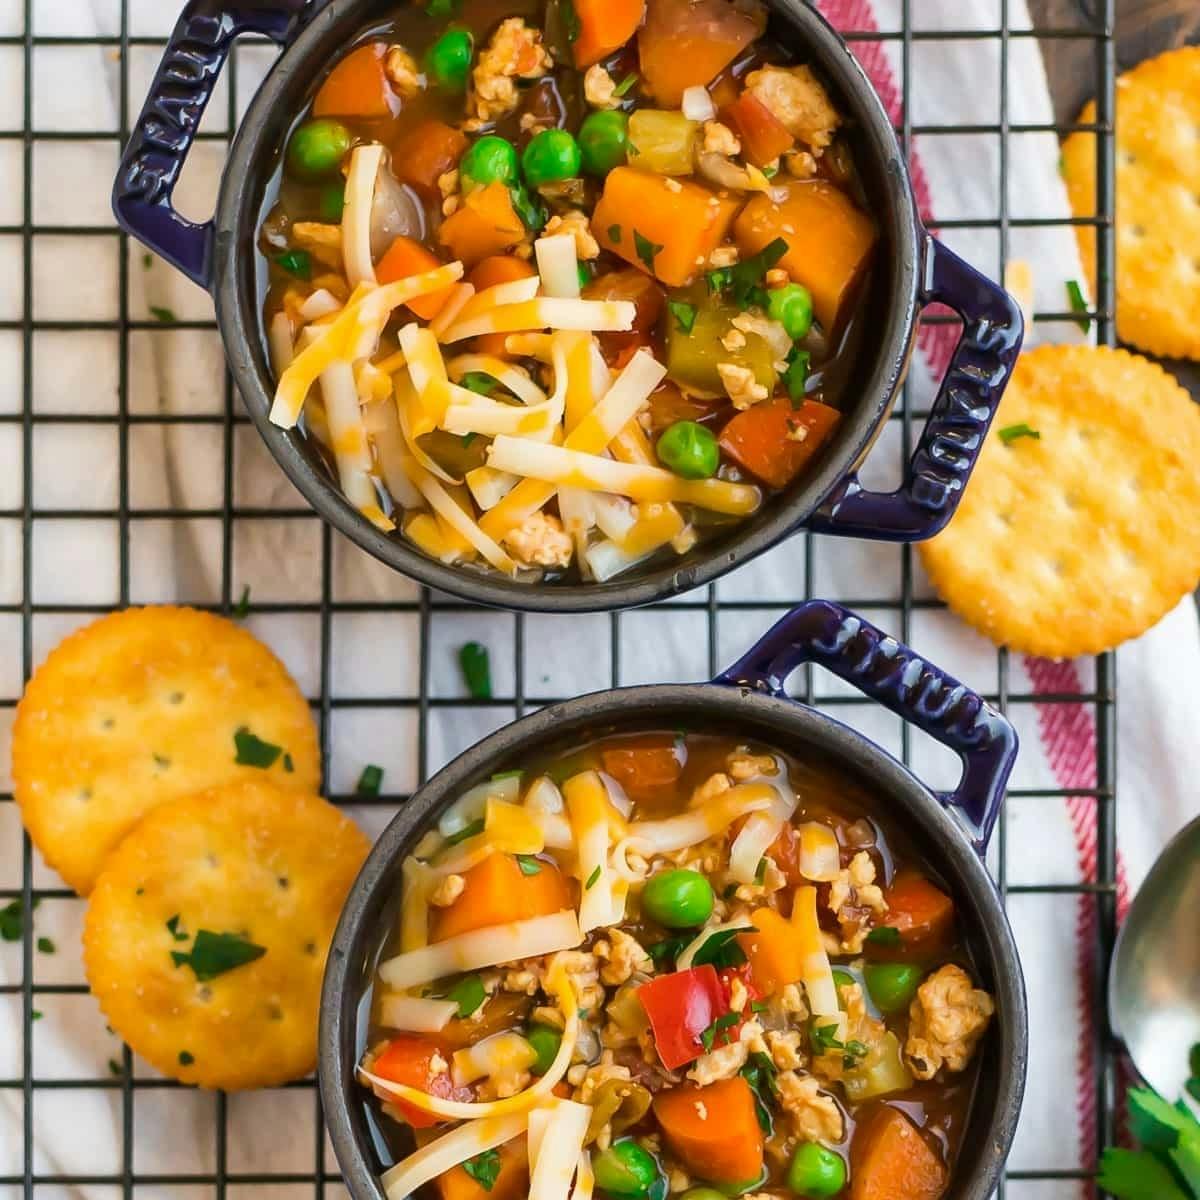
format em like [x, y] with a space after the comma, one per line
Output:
[1144, 28]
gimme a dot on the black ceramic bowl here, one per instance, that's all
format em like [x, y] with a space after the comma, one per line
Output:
[913, 271]
[950, 831]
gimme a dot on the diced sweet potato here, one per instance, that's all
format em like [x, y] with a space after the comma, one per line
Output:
[498, 891]
[922, 913]
[890, 1160]
[425, 153]
[604, 26]
[484, 224]
[687, 43]
[644, 768]
[714, 1130]
[405, 257]
[667, 228]
[511, 1183]
[763, 438]
[830, 243]
[357, 87]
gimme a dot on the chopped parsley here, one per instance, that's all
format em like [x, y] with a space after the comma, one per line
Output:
[760, 872]
[824, 1038]
[484, 1168]
[795, 375]
[185, 1058]
[592, 879]
[165, 315]
[35, 1014]
[684, 314]
[719, 1029]
[288, 765]
[572, 25]
[626, 85]
[646, 250]
[757, 1006]
[507, 775]
[441, 10]
[1010, 433]
[242, 608]
[147, 262]
[370, 781]
[468, 438]
[1078, 304]
[884, 935]
[760, 1073]
[12, 920]
[213, 954]
[479, 382]
[296, 262]
[667, 951]
[173, 929]
[468, 993]
[743, 281]
[45, 945]
[529, 208]
[721, 950]
[614, 233]
[529, 865]
[469, 830]
[477, 670]
[252, 751]
[115, 1067]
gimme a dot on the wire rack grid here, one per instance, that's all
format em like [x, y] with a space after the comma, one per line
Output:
[39, 406]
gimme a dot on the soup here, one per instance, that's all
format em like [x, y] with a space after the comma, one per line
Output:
[672, 963]
[562, 290]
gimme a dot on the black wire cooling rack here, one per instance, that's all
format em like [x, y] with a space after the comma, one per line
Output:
[39, 406]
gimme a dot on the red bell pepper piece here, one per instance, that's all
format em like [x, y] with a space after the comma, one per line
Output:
[681, 1006]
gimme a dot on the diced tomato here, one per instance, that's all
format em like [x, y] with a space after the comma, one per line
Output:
[680, 1007]
[764, 138]
[408, 1059]
[646, 767]
[776, 439]
[922, 913]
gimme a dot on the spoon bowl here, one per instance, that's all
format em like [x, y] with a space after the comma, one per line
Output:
[1154, 984]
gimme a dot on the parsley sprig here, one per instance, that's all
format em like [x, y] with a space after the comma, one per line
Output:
[718, 1033]
[213, 954]
[742, 282]
[1167, 1167]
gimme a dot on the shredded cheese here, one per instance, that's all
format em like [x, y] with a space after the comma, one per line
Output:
[559, 1149]
[417, 883]
[483, 948]
[437, 1157]
[501, 1055]
[819, 857]
[416, 1014]
[546, 312]
[815, 972]
[365, 162]
[759, 831]
[706, 820]
[591, 817]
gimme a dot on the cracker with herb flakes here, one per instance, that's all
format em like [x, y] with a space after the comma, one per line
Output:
[1081, 527]
[141, 707]
[1158, 213]
[207, 932]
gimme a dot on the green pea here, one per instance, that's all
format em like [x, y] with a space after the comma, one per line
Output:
[690, 450]
[892, 985]
[545, 1042]
[332, 202]
[791, 306]
[603, 139]
[625, 1170]
[489, 159]
[816, 1171]
[678, 899]
[584, 275]
[552, 155]
[448, 60]
[703, 1193]
[317, 147]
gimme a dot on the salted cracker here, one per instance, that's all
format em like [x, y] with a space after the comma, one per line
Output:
[1158, 202]
[207, 932]
[1076, 539]
[141, 707]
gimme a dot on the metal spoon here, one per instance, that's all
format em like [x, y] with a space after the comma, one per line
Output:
[1154, 984]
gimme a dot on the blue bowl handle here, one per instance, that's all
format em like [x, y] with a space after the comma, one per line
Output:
[825, 633]
[958, 422]
[182, 87]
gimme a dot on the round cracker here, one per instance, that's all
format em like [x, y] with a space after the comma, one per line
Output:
[141, 707]
[247, 858]
[1072, 543]
[1158, 202]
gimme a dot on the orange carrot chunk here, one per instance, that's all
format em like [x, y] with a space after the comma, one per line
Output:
[484, 224]
[890, 1160]
[714, 1130]
[763, 438]
[511, 1183]
[920, 912]
[407, 257]
[497, 269]
[664, 227]
[357, 87]
[644, 769]
[604, 26]
[498, 891]
[425, 153]
[829, 240]
[687, 43]
[764, 137]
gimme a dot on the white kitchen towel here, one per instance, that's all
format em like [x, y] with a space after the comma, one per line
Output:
[76, 88]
